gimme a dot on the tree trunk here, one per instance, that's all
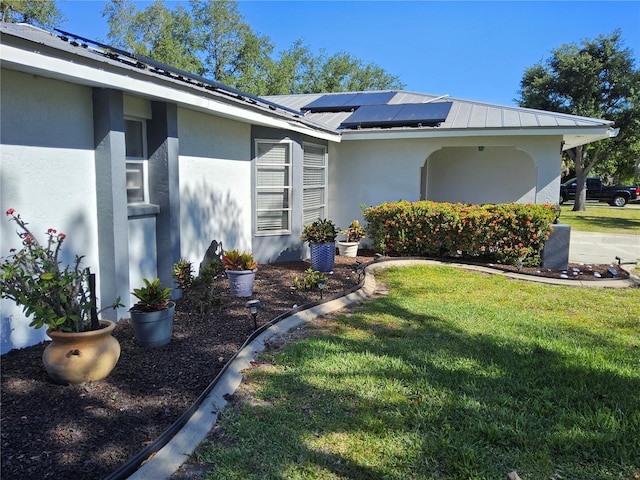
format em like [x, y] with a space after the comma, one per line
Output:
[583, 166]
[580, 204]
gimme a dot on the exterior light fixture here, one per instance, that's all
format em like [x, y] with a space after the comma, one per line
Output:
[558, 209]
[321, 284]
[359, 271]
[253, 306]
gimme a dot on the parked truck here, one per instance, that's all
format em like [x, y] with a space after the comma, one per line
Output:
[616, 196]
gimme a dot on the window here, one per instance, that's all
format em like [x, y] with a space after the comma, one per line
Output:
[314, 183]
[136, 152]
[273, 187]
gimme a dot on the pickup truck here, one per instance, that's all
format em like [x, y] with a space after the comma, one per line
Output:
[613, 195]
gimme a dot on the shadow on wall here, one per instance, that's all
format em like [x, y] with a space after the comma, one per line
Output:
[210, 215]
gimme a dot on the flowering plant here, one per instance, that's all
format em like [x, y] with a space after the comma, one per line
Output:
[58, 298]
[354, 233]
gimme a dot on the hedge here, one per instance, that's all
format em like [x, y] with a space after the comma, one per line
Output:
[505, 233]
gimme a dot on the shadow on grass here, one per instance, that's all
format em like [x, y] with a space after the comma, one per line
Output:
[454, 405]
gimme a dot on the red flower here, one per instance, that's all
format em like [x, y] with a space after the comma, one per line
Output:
[51, 231]
[11, 211]
[61, 236]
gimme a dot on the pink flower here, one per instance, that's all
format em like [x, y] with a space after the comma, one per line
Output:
[61, 236]
[11, 211]
[51, 231]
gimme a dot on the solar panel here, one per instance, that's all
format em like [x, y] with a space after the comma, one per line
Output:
[399, 115]
[346, 102]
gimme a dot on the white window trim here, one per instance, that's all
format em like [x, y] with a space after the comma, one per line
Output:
[144, 161]
[325, 176]
[289, 188]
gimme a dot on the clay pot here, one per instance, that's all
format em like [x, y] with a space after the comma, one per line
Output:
[81, 357]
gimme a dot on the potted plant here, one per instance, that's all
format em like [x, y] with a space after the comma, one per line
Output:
[353, 234]
[321, 236]
[152, 316]
[241, 271]
[62, 299]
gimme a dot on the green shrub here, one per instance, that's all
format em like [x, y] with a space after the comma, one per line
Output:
[310, 279]
[506, 233]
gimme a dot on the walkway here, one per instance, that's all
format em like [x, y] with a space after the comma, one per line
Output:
[593, 247]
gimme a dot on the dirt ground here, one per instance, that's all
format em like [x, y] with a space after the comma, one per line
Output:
[89, 430]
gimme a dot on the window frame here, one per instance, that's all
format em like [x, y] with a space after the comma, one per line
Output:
[324, 168]
[285, 188]
[140, 163]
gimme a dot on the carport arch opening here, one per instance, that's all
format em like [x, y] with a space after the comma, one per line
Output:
[478, 175]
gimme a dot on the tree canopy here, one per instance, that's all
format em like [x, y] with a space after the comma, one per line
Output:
[211, 38]
[43, 13]
[599, 79]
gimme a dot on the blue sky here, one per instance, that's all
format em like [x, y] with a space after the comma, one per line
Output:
[475, 50]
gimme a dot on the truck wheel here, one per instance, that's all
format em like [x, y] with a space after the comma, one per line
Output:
[561, 199]
[619, 201]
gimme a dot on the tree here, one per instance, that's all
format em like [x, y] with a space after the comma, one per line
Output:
[211, 39]
[165, 35]
[595, 79]
[43, 13]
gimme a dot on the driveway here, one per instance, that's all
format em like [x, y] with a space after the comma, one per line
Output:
[594, 247]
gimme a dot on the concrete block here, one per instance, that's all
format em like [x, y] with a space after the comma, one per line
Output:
[556, 250]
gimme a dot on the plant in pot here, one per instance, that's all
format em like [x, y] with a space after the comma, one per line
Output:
[321, 236]
[353, 234]
[62, 299]
[241, 271]
[152, 316]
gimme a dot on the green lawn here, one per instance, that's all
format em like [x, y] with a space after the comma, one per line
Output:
[453, 375]
[603, 219]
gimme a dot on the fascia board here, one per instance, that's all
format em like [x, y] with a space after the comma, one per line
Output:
[594, 133]
[51, 67]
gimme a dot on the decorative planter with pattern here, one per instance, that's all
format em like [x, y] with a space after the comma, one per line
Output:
[322, 256]
[241, 282]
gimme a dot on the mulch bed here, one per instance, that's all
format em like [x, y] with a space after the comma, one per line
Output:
[89, 430]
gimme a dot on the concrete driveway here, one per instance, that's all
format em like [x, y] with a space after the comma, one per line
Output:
[593, 247]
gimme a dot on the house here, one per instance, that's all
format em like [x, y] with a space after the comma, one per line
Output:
[141, 164]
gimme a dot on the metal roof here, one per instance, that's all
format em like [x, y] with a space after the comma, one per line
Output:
[463, 114]
[466, 117]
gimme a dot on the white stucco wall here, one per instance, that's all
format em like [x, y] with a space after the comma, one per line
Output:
[215, 183]
[371, 172]
[490, 175]
[46, 125]
[509, 169]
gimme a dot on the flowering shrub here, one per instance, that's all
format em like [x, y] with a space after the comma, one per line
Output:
[58, 298]
[507, 233]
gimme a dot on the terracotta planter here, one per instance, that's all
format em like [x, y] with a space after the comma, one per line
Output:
[81, 357]
[241, 282]
[348, 249]
[153, 329]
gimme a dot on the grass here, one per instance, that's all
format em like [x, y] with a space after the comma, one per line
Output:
[453, 375]
[603, 219]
